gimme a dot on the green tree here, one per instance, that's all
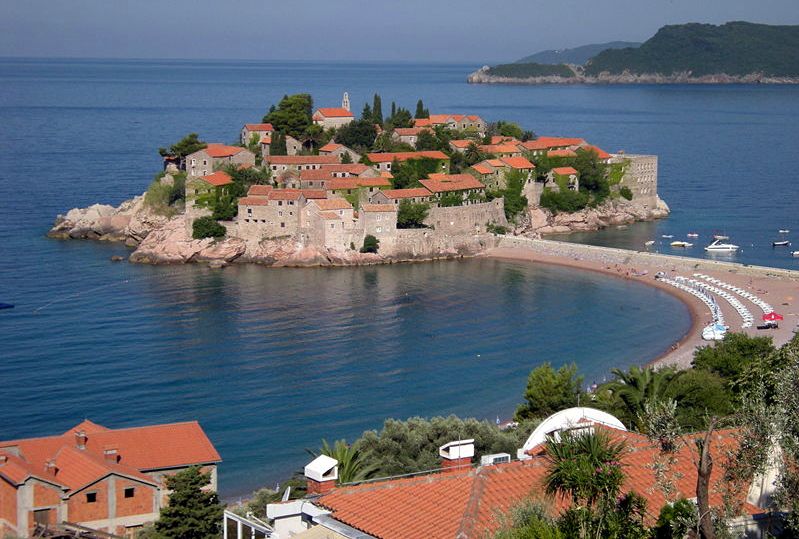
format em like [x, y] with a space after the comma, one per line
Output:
[277, 146]
[426, 140]
[358, 135]
[206, 227]
[352, 466]
[625, 192]
[412, 215]
[377, 110]
[370, 244]
[730, 357]
[192, 513]
[401, 118]
[448, 200]
[421, 112]
[292, 115]
[408, 173]
[699, 394]
[185, 146]
[508, 129]
[473, 155]
[549, 391]
[563, 201]
[593, 174]
[515, 202]
[366, 113]
[636, 387]
[675, 520]
[346, 158]
[529, 520]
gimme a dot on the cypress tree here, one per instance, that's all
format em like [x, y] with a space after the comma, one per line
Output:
[377, 110]
[192, 513]
[278, 144]
[393, 111]
[366, 114]
[421, 112]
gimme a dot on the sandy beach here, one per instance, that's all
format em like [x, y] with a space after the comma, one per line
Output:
[781, 291]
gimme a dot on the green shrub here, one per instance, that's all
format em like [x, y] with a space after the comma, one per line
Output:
[496, 229]
[206, 227]
[626, 193]
[370, 244]
[564, 201]
[411, 215]
[163, 198]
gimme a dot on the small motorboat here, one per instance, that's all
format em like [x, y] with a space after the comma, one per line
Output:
[720, 237]
[784, 231]
[692, 235]
[650, 242]
[681, 244]
[795, 253]
[718, 247]
[667, 236]
[781, 243]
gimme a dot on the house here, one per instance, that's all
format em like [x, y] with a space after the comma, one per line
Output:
[382, 161]
[460, 145]
[466, 186]
[492, 172]
[640, 176]
[462, 500]
[561, 154]
[339, 150]
[453, 121]
[297, 163]
[262, 130]
[201, 189]
[293, 146]
[318, 178]
[105, 479]
[273, 214]
[380, 221]
[215, 156]
[542, 145]
[332, 118]
[415, 195]
[601, 154]
[331, 223]
[356, 190]
[505, 149]
[407, 135]
[563, 177]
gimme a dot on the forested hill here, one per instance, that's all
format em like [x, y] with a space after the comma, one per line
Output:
[577, 55]
[734, 48]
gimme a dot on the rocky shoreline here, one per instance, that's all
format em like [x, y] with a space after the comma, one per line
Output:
[160, 239]
[482, 76]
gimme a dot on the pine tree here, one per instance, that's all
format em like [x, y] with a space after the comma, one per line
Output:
[377, 110]
[278, 144]
[192, 513]
[421, 112]
[393, 111]
[366, 114]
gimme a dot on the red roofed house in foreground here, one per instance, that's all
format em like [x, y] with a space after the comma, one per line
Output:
[464, 501]
[215, 156]
[105, 479]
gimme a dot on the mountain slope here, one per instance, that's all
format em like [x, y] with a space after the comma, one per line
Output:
[734, 48]
[577, 55]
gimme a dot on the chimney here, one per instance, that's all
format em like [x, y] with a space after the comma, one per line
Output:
[3, 459]
[50, 467]
[457, 454]
[111, 454]
[81, 439]
[321, 474]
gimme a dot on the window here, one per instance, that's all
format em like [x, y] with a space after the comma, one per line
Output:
[379, 229]
[91, 497]
[279, 202]
[280, 213]
[282, 225]
[130, 492]
[205, 162]
[249, 211]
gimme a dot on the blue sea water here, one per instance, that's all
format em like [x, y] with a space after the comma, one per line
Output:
[270, 361]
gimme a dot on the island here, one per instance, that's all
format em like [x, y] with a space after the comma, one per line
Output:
[735, 52]
[316, 187]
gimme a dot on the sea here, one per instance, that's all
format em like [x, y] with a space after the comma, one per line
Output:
[271, 361]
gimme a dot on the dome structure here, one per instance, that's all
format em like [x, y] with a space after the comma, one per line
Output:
[570, 419]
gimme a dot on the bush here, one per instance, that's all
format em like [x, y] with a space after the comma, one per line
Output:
[163, 198]
[626, 193]
[207, 227]
[563, 201]
[496, 229]
[549, 391]
[370, 244]
[411, 215]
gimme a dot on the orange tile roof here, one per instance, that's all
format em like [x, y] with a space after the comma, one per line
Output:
[422, 122]
[561, 153]
[218, 178]
[413, 192]
[284, 194]
[469, 502]
[334, 112]
[378, 208]
[330, 146]
[483, 169]
[518, 162]
[497, 163]
[259, 127]
[352, 168]
[386, 174]
[545, 143]
[302, 159]
[256, 190]
[499, 139]
[266, 139]
[500, 148]
[388, 157]
[442, 183]
[410, 131]
[355, 182]
[313, 194]
[333, 204]
[328, 215]
[600, 153]
[461, 143]
[316, 174]
[222, 150]
[254, 201]
[564, 171]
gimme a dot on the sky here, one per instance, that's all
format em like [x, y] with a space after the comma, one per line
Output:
[474, 31]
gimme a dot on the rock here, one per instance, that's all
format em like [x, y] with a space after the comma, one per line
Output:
[117, 258]
[539, 217]
[217, 264]
[169, 244]
[225, 250]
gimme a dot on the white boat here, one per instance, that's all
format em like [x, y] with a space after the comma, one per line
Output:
[720, 237]
[795, 253]
[667, 236]
[783, 243]
[718, 247]
[681, 244]
[692, 235]
[784, 231]
[650, 242]
[714, 332]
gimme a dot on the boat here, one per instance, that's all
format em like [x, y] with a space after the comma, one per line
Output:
[784, 231]
[714, 332]
[795, 253]
[650, 242]
[667, 236]
[6, 306]
[782, 243]
[692, 235]
[720, 237]
[718, 247]
[681, 244]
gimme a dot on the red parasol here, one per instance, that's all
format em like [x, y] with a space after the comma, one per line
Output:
[772, 317]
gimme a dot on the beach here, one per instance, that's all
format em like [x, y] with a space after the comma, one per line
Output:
[780, 288]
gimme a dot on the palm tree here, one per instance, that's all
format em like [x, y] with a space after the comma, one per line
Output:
[638, 387]
[352, 466]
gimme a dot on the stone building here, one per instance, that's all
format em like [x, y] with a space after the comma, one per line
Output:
[297, 163]
[542, 145]
[110, 480]
[356, 190]
[493, 172]
[465, 186]
[469, 219]
[332, 118]
[200, 191]
[339, 150]
[641, 177]
[563, 178]
[505, 149]
[407, 135]
[382, 161]
[215, 156]
[275, 214]
[380, 221]
[331, 224]
[262, 130]
[415, 195]
[453, 121]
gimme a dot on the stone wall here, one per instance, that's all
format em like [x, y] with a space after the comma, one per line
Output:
[641, 177]
[470, 219]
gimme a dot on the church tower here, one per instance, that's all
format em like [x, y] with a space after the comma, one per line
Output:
[345, 101]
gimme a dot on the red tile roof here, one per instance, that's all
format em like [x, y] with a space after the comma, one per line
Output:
[140, 449]
[461, 143]
[284, 194]
[413, 192]
[254, 201]
[564, 171]
[316, 174]
[600, 153]
[328, 215]
[441, 183]
[222, 150]
[546, 143]
[313, 194]
[302, 159]
[256, 190]
[330, 146]
[561, 153]
[410, 131]
[378, 208]
[483, 169]
[354, 182]
[388, 157]
[259, 127]
[334, 112]
[469, 502]
[500, 148]
[353, 168]
[499, 139]
[218, 178]
[333, 204]
[518, 162]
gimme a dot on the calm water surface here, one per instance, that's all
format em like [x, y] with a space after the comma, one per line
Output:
[270, 361]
